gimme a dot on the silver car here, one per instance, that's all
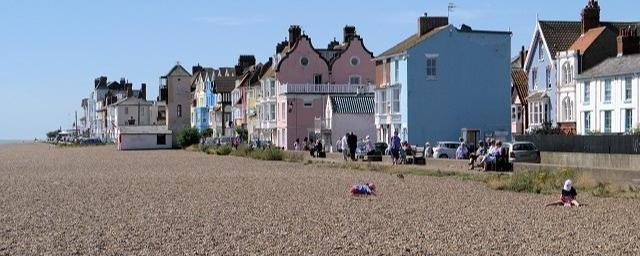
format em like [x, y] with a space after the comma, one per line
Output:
[523, 152]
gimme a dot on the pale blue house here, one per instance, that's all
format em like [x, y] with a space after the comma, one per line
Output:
[443, 79]
[204, 97]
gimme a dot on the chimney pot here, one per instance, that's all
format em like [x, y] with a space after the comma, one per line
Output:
[426, 23]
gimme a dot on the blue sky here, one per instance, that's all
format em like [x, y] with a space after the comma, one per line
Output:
[50, 51]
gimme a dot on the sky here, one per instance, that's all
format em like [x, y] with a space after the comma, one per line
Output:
[51, 51]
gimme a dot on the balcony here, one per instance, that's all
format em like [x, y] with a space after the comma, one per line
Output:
[388, 119]
[325, 88]
[268, 124]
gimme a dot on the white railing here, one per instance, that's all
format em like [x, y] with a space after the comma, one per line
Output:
[325, 88]
[388, 118]
[266, 124]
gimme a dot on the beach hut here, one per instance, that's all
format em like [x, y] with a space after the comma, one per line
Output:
[143, 137]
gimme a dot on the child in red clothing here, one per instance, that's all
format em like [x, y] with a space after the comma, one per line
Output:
[363, 189]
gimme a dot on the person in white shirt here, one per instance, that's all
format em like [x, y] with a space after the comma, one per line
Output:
[345, 146]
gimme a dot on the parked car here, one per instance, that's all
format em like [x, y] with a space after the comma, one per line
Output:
[446, 149]
[523, 152]
[373, 155]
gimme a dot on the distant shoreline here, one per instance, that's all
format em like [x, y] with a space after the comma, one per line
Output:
[15, 141]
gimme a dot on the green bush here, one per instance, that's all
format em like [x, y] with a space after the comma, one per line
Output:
[268, 154]
[188, 136]
[224, 150]
[293, 156]
[243, 150]
[207, 133]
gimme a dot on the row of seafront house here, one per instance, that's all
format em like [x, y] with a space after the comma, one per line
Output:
[581, 76]
[421, 87]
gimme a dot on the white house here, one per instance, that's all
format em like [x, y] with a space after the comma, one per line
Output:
[608, 96]
[348, 113]
[143, 137]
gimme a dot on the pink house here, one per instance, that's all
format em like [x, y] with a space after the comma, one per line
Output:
[306, 76]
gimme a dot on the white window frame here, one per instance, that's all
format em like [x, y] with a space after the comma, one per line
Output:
[628, 85]
[606, 129]
[587, 122]
[395, 100]
[586, 93]
[606, 91]
[354, 58]
[628, 120]
[355, 76]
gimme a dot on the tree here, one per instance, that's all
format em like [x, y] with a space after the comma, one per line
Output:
[53, 134]
[188, 136]
[207, 133]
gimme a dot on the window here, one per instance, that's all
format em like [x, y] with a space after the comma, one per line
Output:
[587, 93]
[396, 101]
[355, 61]
[607, 121]
[534, 77]
[308, 103]
[627, 89]
[396, 71]
[283, 110]
[272, 88]
[607, 91]
[126, 110]
[431, 67]
[272, 112]
[179, 110]
[565, 73]
[354, 79]
[587, 122]
[548, 76]
[570, 74]
[628, 120]
[513, 114]
[546, 113]
[317, 79]
[383, 102]
[161, 139]
[304, 61]
[541, 51]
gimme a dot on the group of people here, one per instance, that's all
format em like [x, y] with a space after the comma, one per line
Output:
[348, 145]
[486, 156]
[315, 149]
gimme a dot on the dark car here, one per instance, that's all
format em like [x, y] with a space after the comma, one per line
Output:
[374, 155]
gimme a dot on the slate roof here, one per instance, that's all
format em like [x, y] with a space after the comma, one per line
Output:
[329, 55]
[225, 83]
[560, 35]
[410, 42]
[520, 83]
[623, 65]
[359, 104]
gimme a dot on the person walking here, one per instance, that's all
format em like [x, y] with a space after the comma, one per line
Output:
[296, 145]
[394, 146]
[345, 146]
[352, 142]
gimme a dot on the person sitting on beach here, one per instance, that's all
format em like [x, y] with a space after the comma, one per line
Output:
[568, 196]
[363, 189]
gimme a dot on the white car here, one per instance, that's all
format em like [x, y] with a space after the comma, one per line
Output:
[524, 151]
[446, 149]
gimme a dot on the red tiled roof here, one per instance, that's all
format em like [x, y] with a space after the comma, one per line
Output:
[584, 41]
[520, 83]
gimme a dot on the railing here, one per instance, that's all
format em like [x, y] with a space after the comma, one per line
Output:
[264, 124]
[388, 118]
[325, 88]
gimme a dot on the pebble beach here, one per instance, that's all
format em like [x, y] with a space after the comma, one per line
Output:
[100, 201]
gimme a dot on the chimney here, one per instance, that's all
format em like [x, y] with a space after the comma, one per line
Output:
[590, 16]
[426, 23]
[294, 34]
[628, 41]
[280, 46]
[123, 82]
[244, 61]
[196, 69]
[523, 55]
[143, 91]
[333, 44]
[349, 33]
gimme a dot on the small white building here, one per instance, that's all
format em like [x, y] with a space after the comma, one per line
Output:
[143, 137]
[608, 96]
[353, 113]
